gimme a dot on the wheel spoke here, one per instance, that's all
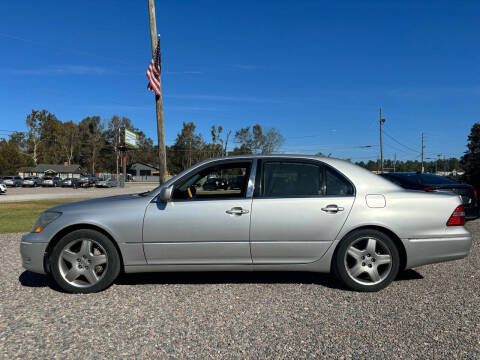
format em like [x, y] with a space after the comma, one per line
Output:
[69, 256]
[355, 253]
[91, 276]
[383, 259]
[356, 270]
[371, 246]
[86, 247]
[72, 274]
[374, 275]
[98, 260]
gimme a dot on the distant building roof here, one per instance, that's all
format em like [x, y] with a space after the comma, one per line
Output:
[141, 165]
[58, 168]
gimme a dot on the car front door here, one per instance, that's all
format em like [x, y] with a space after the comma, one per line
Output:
[298, 209]
[202, 225]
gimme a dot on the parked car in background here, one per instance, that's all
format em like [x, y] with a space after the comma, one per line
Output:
[51, 181]
[106, 183]
[236, 182]
[436, 183]
[87, 180]
[295, 213]
[32, 181]
[70, 182]
[3, 188]
[215, 184]
[13, 180]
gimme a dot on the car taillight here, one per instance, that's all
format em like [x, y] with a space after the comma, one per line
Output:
[429, 188]
[458, 217]
[474, 192]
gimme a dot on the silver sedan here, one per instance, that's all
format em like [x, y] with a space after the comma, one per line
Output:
[294, 213]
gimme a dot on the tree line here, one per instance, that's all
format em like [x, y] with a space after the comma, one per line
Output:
[93, 144]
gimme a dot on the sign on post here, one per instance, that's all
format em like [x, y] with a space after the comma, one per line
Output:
[131, 139]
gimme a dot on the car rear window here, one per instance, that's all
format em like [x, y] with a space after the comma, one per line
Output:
[431, 179]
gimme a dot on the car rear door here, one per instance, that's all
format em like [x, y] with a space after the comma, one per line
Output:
[298, 209]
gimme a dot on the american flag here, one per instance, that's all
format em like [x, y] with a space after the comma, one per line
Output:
[154, 70]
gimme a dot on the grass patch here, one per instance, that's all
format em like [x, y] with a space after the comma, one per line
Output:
[20, 216]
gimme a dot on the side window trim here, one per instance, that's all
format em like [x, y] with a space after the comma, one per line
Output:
[261, 173]
[258, 193]
[213, 164]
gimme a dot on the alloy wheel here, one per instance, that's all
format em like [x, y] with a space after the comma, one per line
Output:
[83, 263]
[368, 261]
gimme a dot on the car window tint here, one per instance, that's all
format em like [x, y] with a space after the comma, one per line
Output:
[336, 184]
[216, 182]
[292, 179]
[430, 179]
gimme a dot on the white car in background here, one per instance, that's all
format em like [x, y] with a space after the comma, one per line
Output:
[3, 188]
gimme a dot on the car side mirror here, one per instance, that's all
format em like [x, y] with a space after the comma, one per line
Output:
[165, 194]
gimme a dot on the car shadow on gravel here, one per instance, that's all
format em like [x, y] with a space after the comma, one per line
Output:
[30, 279]
[200, 278]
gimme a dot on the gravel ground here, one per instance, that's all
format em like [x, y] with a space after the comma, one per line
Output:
[41, 193]
[430, 312]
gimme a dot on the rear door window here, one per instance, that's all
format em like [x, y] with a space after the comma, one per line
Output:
[337, 184]
[287, 179]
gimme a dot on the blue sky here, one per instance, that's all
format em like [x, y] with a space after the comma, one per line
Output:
[315, 70]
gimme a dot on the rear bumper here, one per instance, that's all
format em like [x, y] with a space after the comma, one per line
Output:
[434, 250]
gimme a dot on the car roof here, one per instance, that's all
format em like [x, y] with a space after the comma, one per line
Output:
[363, 179]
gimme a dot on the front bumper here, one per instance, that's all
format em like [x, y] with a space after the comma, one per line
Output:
[433, 250]
[33, 253]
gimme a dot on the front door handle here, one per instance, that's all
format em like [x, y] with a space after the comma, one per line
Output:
[237, 211]
[332, 209]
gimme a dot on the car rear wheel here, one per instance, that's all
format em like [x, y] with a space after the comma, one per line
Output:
[366, 260]
[84, 261]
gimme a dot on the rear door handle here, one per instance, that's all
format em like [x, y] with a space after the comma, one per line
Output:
[237, 211]
[332, 209]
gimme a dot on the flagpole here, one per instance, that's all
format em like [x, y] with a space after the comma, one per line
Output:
[162, 156]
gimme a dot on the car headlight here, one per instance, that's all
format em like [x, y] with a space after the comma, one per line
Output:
[45, 218]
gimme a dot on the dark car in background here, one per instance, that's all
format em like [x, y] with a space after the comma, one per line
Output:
[12, 181]
[52, 181]
[213, 184]
[69, 182]
[32, 181]
[236, 182]
[432, 182]
[87, 180]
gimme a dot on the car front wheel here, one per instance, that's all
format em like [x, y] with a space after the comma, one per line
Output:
[366, 260]
[84, 261]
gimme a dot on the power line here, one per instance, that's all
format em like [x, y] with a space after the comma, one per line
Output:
[398, 142]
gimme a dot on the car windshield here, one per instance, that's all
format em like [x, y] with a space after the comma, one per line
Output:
[8, 178]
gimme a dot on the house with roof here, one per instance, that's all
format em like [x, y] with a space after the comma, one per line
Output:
[63, 171]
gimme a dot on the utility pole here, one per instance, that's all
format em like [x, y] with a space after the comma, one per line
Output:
[381, 141]
[423, 147]
[162, 156]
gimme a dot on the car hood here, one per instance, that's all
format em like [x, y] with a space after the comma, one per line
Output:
[101, 204]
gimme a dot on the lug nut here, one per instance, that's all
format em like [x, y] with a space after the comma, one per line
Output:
[363, 264]
[363, 257]
[368, 255]
[373, 259]
[369, 265]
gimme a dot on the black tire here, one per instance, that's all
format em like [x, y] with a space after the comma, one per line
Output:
[339, 265]
[111, 271]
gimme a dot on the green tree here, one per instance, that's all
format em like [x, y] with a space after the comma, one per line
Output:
[470, 161]
[92, 138]
[255, 140]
